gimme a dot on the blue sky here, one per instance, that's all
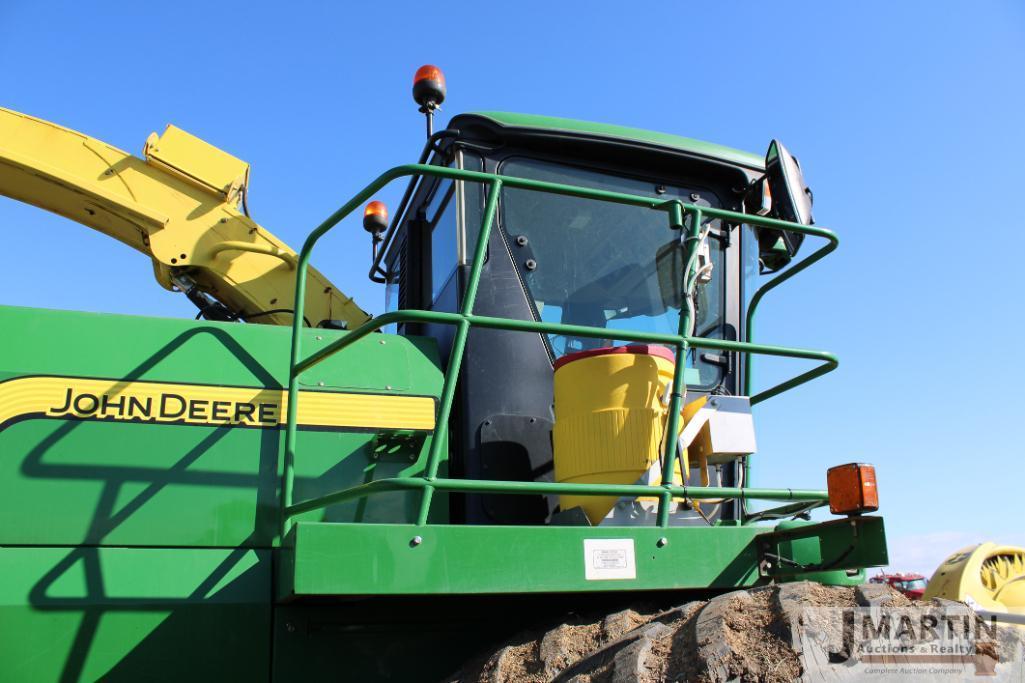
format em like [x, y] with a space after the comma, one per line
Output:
[907, 118]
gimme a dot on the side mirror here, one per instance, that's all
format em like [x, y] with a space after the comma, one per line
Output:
[791, 200]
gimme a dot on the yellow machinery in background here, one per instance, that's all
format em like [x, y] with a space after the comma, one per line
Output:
[180, 206]
[988, 577]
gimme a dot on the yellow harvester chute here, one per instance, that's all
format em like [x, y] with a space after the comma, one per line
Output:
[178, 205]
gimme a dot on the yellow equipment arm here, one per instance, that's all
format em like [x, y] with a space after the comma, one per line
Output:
[179, 206]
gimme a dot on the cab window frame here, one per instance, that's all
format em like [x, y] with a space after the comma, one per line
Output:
[422, 216]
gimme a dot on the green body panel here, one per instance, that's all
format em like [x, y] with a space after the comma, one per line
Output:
[49, 342]
[67, 482]
[357, 559]
[855, 542]
[134, 614]
[143, 551]
[605, 130]
[169, 485]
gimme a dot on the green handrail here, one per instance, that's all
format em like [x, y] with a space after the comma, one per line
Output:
[440, 317]
[831, 244]
[549, 488]
[466, 319]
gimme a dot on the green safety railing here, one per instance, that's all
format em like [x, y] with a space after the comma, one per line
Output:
[429, 483]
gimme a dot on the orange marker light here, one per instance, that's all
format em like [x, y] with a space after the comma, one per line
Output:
[375, 218]
[376, 208]
[429, 87]
[852, 489]
[429, 72]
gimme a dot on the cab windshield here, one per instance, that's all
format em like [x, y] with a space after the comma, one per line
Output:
[607, 265]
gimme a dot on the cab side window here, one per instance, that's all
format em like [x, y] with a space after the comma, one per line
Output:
[441, 220]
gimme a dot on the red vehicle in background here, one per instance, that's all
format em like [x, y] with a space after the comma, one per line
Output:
[911, 585]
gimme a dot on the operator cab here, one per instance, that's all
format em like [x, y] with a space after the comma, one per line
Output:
[562, 259]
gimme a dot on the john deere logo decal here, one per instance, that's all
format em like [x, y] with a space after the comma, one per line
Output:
[202, 404]
[168, 406]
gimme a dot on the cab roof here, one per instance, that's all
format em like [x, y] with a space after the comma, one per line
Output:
[679, 143]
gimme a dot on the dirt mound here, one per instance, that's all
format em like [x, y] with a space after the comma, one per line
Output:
[763, 634]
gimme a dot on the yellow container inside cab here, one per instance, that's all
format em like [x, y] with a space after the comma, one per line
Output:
[609, 419]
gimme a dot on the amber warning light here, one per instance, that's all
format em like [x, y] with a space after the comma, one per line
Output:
[429, 92]
[852, 489]
[375, 219]
[429, 86]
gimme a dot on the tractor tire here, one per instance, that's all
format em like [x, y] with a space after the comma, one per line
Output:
[762, 634]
